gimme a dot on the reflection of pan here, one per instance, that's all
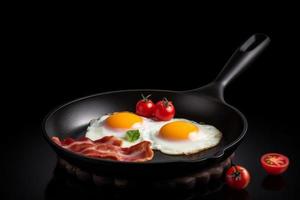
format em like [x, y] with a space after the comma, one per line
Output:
[65, 185]
[202, 104]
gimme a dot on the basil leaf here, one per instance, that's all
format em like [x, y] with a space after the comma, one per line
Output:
[132, 135]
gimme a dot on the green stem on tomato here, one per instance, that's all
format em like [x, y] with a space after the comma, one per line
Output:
[237, 174]
[166, 102]
[146, 98]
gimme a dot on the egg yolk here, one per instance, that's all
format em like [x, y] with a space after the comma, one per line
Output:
[123, 120]
[178, 130]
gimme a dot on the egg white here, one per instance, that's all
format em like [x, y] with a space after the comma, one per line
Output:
[97, 130]
[208, 136]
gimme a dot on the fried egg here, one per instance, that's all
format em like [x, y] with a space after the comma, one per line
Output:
[117, 124]
[185, 137]
[174, 137]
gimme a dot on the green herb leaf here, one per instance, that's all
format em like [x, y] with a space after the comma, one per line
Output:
[132, 135]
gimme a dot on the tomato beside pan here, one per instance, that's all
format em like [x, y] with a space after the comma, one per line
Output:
[237, 177]
[274, 163]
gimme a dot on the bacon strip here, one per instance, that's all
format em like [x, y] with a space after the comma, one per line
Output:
[108, 147]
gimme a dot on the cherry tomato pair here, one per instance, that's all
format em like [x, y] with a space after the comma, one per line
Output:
[163, 110]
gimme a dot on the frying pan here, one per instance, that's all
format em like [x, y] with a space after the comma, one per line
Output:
[204, 104]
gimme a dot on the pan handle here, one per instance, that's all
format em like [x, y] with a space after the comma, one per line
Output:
[238, 62]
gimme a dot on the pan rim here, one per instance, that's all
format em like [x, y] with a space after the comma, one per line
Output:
[217, 155]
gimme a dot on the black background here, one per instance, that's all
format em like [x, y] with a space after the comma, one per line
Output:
[56, 60]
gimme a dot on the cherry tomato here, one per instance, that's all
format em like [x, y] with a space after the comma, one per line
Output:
[164, 110]
[274, 163]
[145, 107]
[237, 177]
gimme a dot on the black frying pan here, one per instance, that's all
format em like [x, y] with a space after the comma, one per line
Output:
[205, 104]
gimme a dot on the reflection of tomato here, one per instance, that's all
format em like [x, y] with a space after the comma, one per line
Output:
[274, 163]
[237, 177]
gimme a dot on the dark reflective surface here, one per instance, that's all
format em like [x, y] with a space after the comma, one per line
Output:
[274, 183]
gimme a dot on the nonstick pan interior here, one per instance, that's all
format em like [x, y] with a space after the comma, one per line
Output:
[72, 119]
